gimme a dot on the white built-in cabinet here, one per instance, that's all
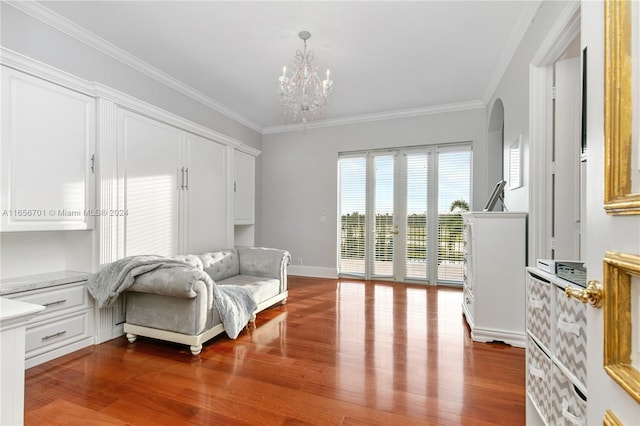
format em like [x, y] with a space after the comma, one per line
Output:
[244, 198]
[205, 195]
[494, 276]
[77, 155]
[244, 188]
[175, 188]
[48, 159]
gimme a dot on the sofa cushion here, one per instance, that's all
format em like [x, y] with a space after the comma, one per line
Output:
[190, 259]
[261, 288]
[221, 264]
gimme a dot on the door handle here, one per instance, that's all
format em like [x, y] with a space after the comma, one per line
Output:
[592, 294]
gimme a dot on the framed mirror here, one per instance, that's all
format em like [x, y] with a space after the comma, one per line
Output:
[622, 153]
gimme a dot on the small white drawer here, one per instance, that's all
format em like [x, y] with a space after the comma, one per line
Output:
[539, 371]
[568, 404]
[50, 335]
[539, 310]
[56, 299]
[571, 335]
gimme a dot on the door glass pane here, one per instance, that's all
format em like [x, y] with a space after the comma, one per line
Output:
[384, 226]
[454, 198]
[416, 261]
[353, 186]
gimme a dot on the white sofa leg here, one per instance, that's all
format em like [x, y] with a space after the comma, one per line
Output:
[195, 350]
[252, 319]
[131, 337]
[284, 301]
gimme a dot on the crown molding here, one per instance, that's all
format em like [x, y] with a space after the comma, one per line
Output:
[565, 29]
[366, 118]
[520, 29]
[83, 35]
[39, 69]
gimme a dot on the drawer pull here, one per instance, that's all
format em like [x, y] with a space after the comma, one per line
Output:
[568, 327]
[536, 372]
[57, 302]
[58, 334]
[571, 418]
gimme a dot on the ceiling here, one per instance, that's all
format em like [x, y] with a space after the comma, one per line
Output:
[386, 57]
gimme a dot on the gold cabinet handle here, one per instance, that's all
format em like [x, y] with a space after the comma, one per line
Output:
[592, 294]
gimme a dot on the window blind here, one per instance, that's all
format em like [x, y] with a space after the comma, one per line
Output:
[353, 202]
[454, 198]
[384, 215]
[418, 166]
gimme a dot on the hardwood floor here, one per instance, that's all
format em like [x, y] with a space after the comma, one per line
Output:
[341, 352]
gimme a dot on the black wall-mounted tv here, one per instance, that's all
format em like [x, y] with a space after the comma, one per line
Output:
[495, 195]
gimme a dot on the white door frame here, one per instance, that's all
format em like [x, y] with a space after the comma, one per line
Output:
[565, 30]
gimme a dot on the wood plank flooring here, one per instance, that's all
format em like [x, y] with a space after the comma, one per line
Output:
[341, 352]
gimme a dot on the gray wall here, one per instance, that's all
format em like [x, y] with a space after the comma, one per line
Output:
[31, 37]
[299, 175]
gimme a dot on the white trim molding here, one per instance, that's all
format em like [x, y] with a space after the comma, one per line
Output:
[312, 271]
[563, 32]
[519, 30]
[47, 72]
[54, 20]
[389, 115]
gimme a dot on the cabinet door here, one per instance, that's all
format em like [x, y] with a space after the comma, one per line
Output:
[204, 196]
[47, 155]
[151, 153]
[245, 185]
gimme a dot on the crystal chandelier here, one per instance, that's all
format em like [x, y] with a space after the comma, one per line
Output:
[303, 95]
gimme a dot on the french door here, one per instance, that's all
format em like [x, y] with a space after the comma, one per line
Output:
[400, 213]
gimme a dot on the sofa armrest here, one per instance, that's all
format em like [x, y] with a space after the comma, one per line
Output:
[264, 262]
[185, 283]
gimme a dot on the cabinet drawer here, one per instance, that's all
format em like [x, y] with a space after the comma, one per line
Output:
[571, 337]
[57, 333]
[539, 371]
[539, 310]
[568, 404]
[56, 299]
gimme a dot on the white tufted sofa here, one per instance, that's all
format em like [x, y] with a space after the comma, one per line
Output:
[175, 307]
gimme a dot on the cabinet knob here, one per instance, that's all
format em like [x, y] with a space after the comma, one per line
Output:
[592, 294]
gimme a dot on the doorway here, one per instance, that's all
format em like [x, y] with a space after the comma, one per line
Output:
[400, 213]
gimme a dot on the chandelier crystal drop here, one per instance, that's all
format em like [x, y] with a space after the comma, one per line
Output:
[303, 95]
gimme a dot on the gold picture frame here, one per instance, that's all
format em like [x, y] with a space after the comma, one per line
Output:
[618, 269]
[618, 118]
[610, 419]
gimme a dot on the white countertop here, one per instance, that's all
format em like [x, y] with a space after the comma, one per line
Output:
[34, 282]
[15, 312]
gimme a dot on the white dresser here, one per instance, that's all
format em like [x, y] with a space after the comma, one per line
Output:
[14, 316]
[556, 352]
[65, 325]
[494, 276]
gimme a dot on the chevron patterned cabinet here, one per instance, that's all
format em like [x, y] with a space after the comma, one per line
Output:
[556, 352]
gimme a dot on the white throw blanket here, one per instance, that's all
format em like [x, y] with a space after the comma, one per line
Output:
[235, 304]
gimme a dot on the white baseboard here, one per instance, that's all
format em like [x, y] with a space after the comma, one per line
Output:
[312, 271]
